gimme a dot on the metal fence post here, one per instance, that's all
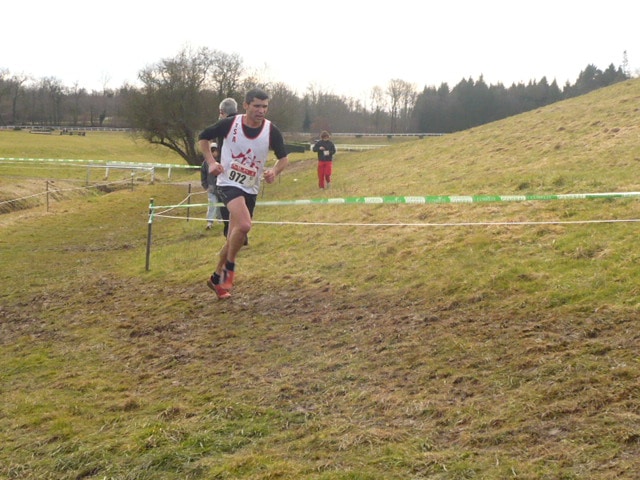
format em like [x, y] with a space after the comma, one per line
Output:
[148, 256]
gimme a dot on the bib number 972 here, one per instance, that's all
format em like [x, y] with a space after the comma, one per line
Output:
[238, 177]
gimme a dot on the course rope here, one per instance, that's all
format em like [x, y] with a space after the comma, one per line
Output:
[432, 199]
[446, 224]
[97, 162]
[449, 199]
[153, 210]
[69, 189]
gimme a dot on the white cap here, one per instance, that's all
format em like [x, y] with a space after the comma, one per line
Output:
[214, 145]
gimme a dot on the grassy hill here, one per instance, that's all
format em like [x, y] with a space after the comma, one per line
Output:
[484, 340]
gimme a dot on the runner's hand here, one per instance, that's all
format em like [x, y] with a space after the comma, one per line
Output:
[269, 175]
[216, 169]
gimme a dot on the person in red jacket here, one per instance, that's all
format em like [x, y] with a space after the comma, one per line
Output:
[326, 150]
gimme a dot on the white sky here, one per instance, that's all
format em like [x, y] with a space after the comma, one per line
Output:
[341, 47]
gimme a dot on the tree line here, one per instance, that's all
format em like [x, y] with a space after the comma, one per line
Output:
[177, 97]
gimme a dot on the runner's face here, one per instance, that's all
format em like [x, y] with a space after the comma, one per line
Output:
[256, 110]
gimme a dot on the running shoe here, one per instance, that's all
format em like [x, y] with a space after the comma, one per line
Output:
[221, 293]
[226, 279]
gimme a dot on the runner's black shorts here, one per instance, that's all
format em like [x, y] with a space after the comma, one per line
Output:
[227, 193]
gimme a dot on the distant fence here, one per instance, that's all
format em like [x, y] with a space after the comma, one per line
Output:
[342, 147]
[363, 134]
[42, 128]
[388, 135]
[286, 134]
[150, 167]
[51, 191]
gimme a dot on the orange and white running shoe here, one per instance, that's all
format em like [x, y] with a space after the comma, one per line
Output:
[227, 278]
[221, 293]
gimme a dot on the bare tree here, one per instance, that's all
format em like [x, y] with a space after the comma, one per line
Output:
[402, 96]
[227, 71]
[76, 93]
[407, 101]
[394, 91]
[5, 88]
[285, 108]
[49, 94]
[377, 106]
[625, 64]
[171, 106]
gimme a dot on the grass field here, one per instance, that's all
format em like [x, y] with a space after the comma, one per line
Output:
[487, 340]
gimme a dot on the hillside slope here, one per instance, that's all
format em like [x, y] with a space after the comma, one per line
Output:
[482, 340]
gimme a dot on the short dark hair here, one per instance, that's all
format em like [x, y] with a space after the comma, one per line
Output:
[255, 93]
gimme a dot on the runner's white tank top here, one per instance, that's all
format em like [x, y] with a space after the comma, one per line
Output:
[244, 158]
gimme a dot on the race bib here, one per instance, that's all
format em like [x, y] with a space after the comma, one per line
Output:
[243, 174]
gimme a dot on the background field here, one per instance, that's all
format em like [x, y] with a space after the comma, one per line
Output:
[449, 341]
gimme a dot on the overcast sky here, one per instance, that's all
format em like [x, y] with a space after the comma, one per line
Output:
[343, 47]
